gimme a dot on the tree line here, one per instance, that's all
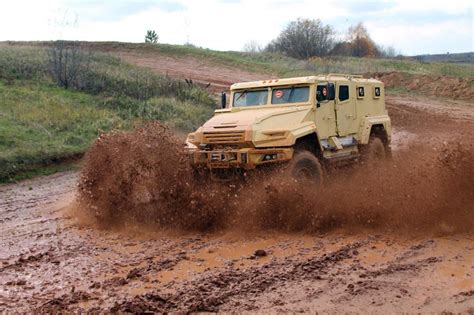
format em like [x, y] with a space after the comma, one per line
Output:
[306, 38]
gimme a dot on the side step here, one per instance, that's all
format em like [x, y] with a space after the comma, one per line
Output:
[340, 149]
[338, 143]
[343, 157]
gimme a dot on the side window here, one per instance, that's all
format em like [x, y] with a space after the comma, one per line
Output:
[377, 92]
[322, 93]
[325, 92]
[360, 92]
[343, 92]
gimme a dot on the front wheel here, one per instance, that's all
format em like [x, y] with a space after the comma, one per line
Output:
[305, 167]
[374, 151]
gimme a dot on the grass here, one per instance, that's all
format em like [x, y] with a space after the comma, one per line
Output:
[409, 66]
[42, 124]
[22, 62]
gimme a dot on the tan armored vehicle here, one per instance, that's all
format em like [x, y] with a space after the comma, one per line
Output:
[307, 123]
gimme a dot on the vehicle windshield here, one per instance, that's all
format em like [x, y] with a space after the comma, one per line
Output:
[250, 98]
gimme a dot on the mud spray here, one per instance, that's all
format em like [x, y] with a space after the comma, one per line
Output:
[143, 177]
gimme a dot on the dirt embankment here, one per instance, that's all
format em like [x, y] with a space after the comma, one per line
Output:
[429, 85]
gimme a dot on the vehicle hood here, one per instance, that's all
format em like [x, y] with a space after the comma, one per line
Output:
[247, 117]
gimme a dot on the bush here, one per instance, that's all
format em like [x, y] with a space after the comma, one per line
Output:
[303, 39]
[183, 115]
[359, 44]
[67, 63]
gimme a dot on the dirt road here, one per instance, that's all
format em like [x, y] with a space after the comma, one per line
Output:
[218, 78]
[50, 261]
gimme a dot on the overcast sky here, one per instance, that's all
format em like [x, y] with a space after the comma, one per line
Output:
[412, 27]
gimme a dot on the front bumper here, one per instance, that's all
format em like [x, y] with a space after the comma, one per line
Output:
[247, 158]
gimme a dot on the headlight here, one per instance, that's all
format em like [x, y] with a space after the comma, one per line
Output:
[190, 146]
[191, 137]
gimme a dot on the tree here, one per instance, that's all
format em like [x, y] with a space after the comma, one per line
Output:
[303, 39]
[357, 44]
[252, 47]
[361, 43]
[342, 49]
[151, 37]
[387, 51]
[68, 63]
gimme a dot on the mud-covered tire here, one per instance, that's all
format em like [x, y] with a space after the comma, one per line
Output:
[201, 176]
[374, 151]
[305, 167]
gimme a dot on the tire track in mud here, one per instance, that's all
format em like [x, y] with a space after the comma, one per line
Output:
[208, 292]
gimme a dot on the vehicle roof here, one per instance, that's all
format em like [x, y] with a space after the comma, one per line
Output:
[303, 80]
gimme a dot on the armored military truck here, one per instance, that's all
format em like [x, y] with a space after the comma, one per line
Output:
[304, 123]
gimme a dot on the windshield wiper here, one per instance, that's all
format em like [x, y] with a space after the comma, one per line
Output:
[291, 93]
[241, 94]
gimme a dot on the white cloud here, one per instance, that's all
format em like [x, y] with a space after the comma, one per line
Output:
[411, 26]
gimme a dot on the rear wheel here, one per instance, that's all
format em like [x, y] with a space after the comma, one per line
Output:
[305, 167]
[374, 151]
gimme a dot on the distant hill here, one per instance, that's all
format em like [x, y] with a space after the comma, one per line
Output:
[467, 57]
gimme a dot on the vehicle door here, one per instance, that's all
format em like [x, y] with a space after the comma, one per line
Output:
[325, 117]
[345, 108]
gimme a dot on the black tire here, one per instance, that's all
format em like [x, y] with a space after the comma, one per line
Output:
[201, 176]
[374, 151]
[305, 167]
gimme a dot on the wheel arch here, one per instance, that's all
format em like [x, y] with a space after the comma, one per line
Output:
[309, 142]
[376, 126]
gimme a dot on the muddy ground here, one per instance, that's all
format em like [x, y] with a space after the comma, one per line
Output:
[52, 259]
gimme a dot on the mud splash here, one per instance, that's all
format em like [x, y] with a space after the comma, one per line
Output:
[143, 177]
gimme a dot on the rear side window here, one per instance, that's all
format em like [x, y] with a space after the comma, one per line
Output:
[295, 94]
[343, 92]
[377, 92]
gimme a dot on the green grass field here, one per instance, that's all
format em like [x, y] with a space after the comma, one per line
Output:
[42, 124]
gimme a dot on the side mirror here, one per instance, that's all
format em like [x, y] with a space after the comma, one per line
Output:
[331, 92]
[223, 100]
